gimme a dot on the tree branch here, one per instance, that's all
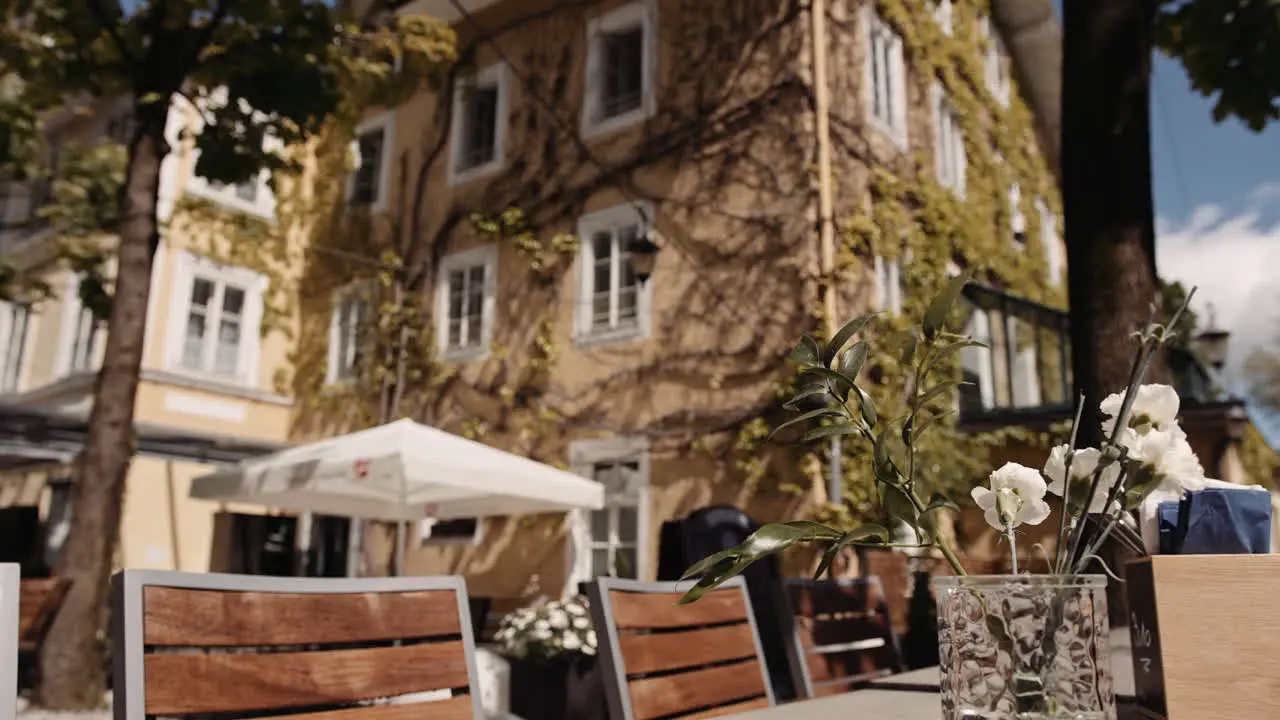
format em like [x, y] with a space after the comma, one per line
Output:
[109, 25]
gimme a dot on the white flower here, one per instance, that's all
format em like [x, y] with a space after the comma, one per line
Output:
[558, 619]
[572, 641]
[591, 639]
[541, 624]
[1167, 454]
[1154, 405]
[1083, 464]
[581, 623]
[1016, 497]
[576, 608]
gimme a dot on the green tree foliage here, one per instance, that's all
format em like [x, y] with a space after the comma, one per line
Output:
[265, 76]
[1262, 372]
[1228, 48]
[1173, 295]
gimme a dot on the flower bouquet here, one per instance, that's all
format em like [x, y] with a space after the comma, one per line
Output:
[1010, 646]
[547, 631]
[552, 650]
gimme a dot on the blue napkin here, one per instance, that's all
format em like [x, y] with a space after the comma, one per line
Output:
[1217, 521]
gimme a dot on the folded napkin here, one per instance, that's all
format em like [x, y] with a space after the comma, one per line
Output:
[1222, 519]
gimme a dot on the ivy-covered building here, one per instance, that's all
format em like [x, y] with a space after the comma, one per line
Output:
[792, 170]
[213, 350]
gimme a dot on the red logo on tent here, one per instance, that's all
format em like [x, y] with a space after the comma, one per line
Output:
[362, 469]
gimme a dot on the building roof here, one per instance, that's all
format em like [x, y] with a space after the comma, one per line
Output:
[31, 438]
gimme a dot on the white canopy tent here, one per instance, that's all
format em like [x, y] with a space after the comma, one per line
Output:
[400, 472]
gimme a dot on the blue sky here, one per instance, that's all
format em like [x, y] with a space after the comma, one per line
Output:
[1217, 203]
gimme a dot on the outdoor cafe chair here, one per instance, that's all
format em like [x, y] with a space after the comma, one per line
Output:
[843, 637]
[188, 644]
[662, 660]
[10, 579]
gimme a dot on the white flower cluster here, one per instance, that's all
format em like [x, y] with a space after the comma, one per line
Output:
[548, 630]
[1159, 457]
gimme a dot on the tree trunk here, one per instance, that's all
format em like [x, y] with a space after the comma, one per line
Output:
[72, 658]
[1033, 39]
[1106, 189]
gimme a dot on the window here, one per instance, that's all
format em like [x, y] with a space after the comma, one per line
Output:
[464, 304]
[372, 148]
[1027, 363]
[888, 285]
[620, 59]
[14, 320]
[347, 327]
[613, 305]
[214, 329]
[993, 62]
[1017, 221]
[252, 196]
[942, 15]
[1051, 242]
[614, 539]
[949, 144]
[82, 353]
[886, 78]
[479, 124]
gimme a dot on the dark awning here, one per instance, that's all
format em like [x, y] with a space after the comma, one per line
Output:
[29, 438]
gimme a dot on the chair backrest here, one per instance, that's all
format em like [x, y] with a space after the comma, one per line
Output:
[39, 601]
[843, 637]
[10, 578]
[201, 644]
[665, 660]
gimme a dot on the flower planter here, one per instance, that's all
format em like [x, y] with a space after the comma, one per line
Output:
[569, 687]
[1024, 647]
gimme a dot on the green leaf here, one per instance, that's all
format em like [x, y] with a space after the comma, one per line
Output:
[868, 534]
[809, 391]
[930, 422]
[935, 318]
[933, 392]
[851, 328]
[716, 569]
[807, 352]
[827, 431]
[839, 384]
[909, 347]
[886, 471]
[898, 505]
[853, 359]
[867, 405]
[820, 412]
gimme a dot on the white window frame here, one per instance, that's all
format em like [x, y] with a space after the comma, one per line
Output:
[584, 456]
[993, 62]
[950, 161]
[487, 256]
[883, 39]
[188, 267]
[11, 378]
[611, 219]
[341, 301]
[943, 13]
[75, 316]
[263, 204]
[1017, 220]
[979, 328]
[889, 284]
[644, 14]
[493, 76]
[386, 122]
[1051, 241]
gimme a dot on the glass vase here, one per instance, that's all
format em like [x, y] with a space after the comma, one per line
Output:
[1024, 647]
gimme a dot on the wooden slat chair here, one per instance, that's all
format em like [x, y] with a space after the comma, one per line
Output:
[662, 660]
[10, 580]
[195, 644]
[843, 637]
[39, 601]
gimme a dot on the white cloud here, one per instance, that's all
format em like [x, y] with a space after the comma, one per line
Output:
[1233, 260]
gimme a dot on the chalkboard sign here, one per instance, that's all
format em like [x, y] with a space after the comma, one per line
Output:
[1144, 636]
